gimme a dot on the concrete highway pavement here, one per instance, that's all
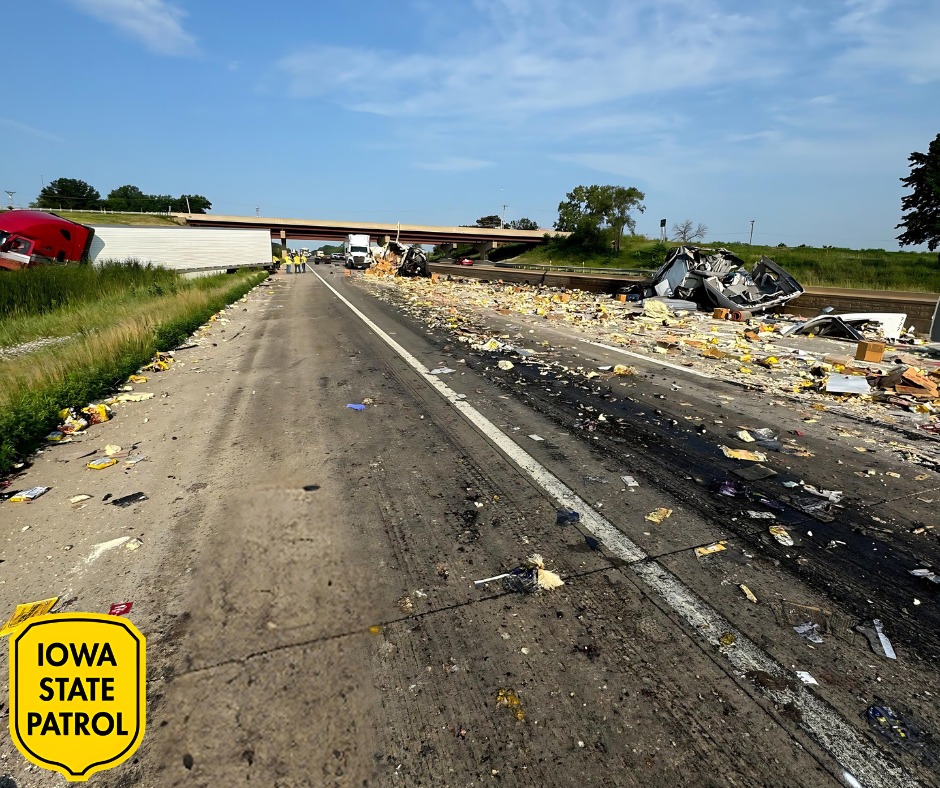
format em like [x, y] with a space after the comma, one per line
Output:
[306, 574]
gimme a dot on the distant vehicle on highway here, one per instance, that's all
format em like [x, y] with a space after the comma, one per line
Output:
[464, 261]
[356, 251]
[337, 256]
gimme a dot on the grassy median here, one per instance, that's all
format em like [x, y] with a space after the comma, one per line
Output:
[121, 335]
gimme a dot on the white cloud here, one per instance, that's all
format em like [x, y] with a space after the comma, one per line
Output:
[157, 23]
[454, 164]
[892, 37]
[31, 130]
[523, 58]
[767, 135]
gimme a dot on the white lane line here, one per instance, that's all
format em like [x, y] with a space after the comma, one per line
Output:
[652, 360]
[863, 762]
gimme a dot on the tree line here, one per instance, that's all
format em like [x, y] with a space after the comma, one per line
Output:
[78, 195]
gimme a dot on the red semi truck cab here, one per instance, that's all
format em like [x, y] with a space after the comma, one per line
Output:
[29, 238]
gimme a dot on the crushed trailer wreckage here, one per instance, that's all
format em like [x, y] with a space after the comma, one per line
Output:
[402, 260]
[718, 278]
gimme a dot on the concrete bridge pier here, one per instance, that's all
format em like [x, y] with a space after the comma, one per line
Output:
[484, 248]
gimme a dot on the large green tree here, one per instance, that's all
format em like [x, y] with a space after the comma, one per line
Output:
[68, 193]
[127, 198]
[921, 223]
[197, 204]
[587, 210]
[522, 224]
[492, 221]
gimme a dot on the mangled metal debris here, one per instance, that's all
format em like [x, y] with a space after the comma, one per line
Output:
[718, 278]
[408, 260]
[854, 326]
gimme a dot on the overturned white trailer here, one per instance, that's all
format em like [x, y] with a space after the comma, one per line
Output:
[192, 251]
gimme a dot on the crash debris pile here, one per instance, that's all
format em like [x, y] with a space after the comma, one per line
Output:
[396, 259]
[717, 278]
[386, 262]
[769, 353]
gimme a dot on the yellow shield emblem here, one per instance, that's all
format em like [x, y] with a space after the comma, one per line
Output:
[78, 692]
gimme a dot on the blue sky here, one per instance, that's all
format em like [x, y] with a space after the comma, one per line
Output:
[799, 116]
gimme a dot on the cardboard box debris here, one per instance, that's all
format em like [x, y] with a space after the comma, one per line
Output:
[870, 351]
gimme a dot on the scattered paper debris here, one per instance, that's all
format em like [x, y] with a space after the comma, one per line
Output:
[743, 454]
[710, 549]
[30, 495]
[26, 611]
[658, 515]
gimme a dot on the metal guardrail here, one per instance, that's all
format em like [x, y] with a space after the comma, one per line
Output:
[575, 269]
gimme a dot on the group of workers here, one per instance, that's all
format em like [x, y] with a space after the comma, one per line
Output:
[293, 263]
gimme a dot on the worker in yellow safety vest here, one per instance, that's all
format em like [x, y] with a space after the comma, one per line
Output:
[298, 264]
[287, 263]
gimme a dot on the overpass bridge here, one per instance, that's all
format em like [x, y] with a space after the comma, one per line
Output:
[484, 239]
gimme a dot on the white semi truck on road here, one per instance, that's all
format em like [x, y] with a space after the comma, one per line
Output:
[356, 251]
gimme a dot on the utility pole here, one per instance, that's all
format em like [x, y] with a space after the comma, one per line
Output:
[502, 221]
[751, 239]
[10, 194]
[257, 212]
[188, 209]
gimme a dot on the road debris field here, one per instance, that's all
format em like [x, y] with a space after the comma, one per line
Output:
[382, 530]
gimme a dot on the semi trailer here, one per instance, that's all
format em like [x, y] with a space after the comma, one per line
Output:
[30, 238]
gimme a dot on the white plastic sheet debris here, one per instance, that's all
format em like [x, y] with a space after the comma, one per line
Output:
[806, 677]
[833, 496]
[847, 384]
[442, 371]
